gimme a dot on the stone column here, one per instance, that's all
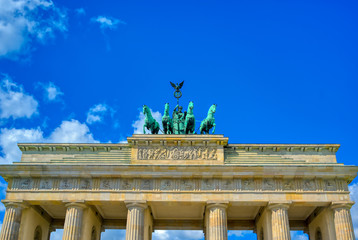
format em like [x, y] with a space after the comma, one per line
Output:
[279, 221]
[135, 220]
[11, 224]
[73, 221]
[343, 221]
[216, 221]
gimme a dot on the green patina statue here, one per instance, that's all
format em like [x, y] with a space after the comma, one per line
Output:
[189, 124]
[167, 121]
[178, 120]
[209, 121]
[179, 123]
[150, 123]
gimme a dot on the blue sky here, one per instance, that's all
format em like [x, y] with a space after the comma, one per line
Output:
[80, 71]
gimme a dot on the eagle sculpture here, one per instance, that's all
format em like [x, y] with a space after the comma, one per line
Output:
[177, 87]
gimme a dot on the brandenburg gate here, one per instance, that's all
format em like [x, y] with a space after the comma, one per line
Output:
[177, 180]
[198, 182]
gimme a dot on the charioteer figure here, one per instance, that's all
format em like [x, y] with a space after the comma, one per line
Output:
[178, 120]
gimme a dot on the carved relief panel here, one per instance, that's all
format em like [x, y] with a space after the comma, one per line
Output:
[248, 184]
[177, 153]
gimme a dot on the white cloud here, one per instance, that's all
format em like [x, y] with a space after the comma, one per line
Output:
[299, 235]
[238, 233]
[14, 101]
[57, 235]
[139, 123]
[114, 234]
[72, 132]
[354, 210]
[107, 22]
[2, 208]
[178, 234]
[23, 22]
[9, 139]
[52, 92]
[97, 113]
[3, 187]
[68, 132]
[80, 11]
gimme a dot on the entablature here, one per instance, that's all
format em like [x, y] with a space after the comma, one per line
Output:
[179, 171]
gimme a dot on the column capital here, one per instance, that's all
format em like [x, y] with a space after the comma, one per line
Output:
[78, 204]
[217, 204]
[276, 205]
[18, 204]
[342, 204]
[139, 204]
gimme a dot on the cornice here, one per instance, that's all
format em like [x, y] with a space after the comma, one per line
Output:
[53, 147]
[178, 171]
[285, 147]
[220, 140]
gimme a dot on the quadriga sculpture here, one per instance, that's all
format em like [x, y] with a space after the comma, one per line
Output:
[150, 123]
[167, 121]
[189, 124]
[209, 121]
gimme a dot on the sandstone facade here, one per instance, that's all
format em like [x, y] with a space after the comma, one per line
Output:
[198, 182]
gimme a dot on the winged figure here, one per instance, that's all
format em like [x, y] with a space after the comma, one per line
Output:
[177, 87]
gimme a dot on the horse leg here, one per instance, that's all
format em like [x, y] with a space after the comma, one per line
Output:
[165, 127]
[156, 128]
[193, 125]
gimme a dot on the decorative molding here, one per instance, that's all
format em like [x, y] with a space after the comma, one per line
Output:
[74, 147]
[181, 184]
[177, 153]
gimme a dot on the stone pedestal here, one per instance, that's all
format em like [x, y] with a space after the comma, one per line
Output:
[343, 221]
[216, 221]
[279, 221]
[135, 220]
[11, 223]
[73, 221]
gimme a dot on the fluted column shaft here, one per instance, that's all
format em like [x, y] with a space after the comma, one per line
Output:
[135, 221]
[343, 221]
[73, 221]
[11, 224]
[216, 228]
[279, 222]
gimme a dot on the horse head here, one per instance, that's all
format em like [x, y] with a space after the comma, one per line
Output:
[212, 109]
[166, 109]
[191, 106]
[145, 109]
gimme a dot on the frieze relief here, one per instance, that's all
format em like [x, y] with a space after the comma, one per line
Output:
[177, 153]
[26, 183]
[197, 184]
[67, 183]
[207, 184]
[86, 184]
[106, 184]
[227, 184]
[269, 184]
[248, 184]
[167, 184]
[330, 185]
[289, 185]
[46, 183]
[309, 185]
[126, 184]
[187, 185]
